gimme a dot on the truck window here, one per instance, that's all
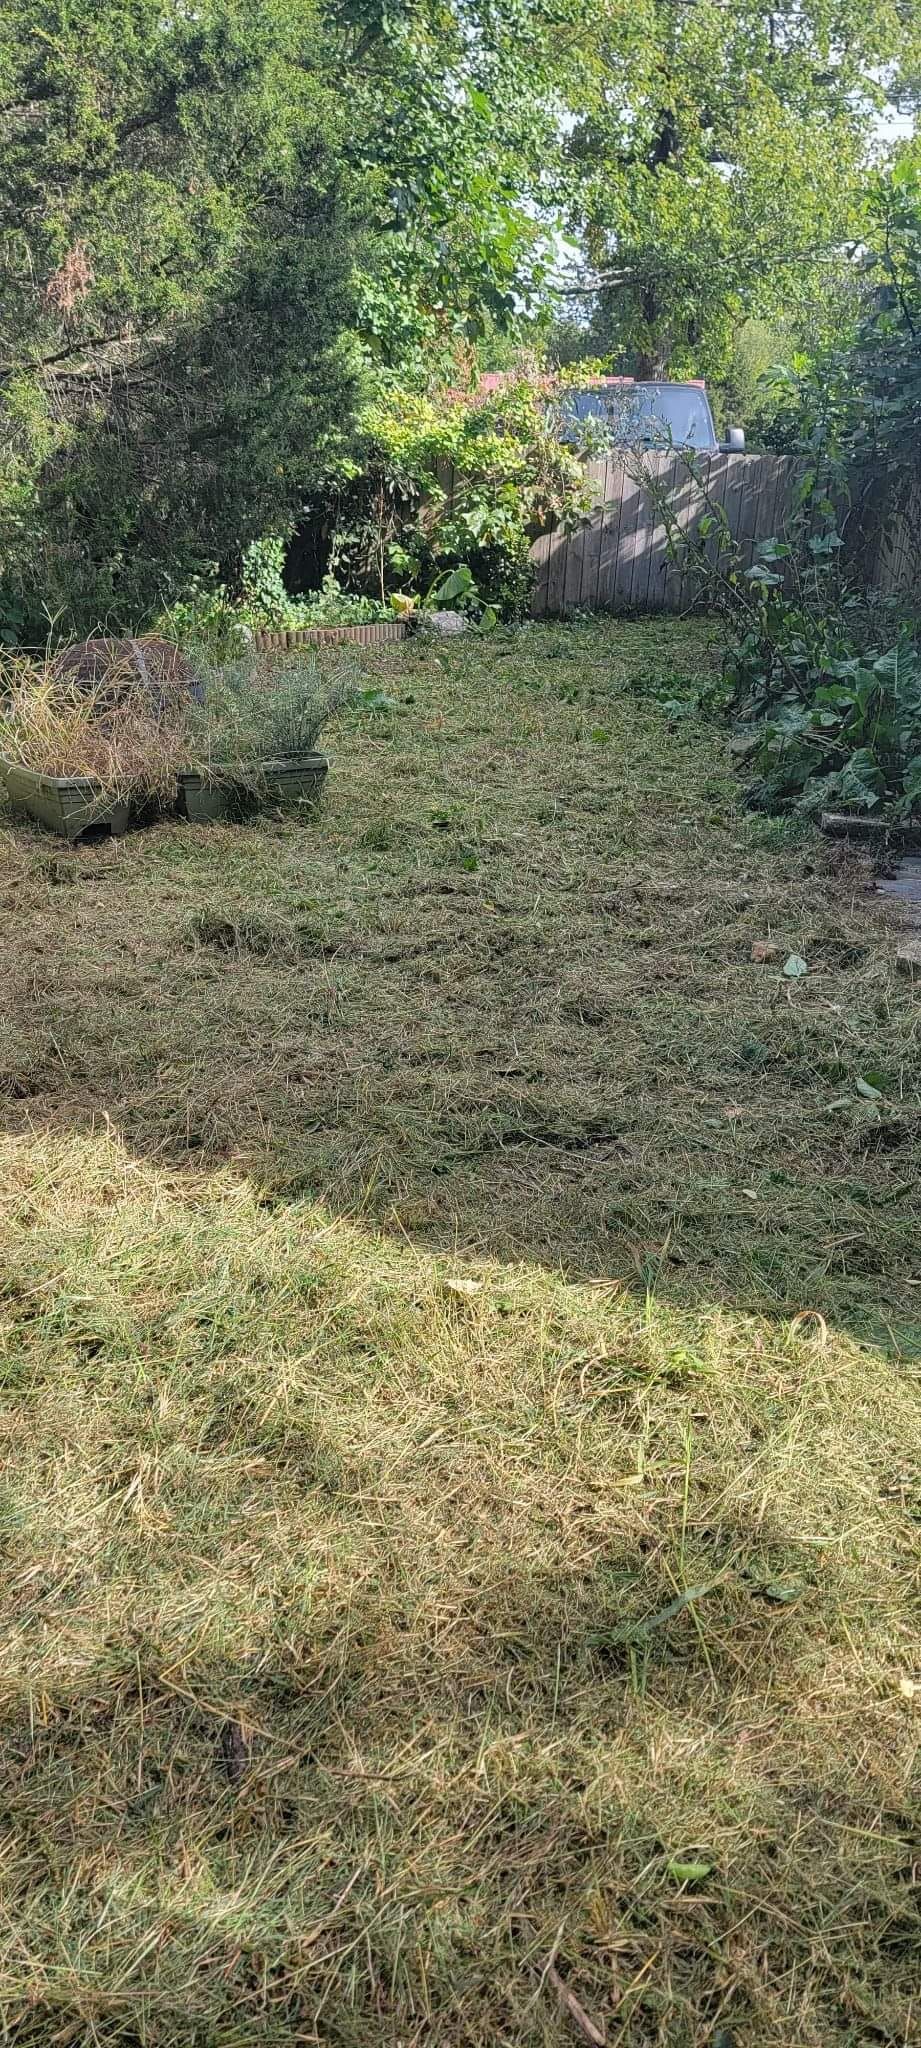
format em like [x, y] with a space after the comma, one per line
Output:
[646, 415]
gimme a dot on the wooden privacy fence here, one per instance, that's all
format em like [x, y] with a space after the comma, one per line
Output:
[620, 560]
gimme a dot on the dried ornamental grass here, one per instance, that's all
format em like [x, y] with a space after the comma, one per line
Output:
[260, 708]
[130, 715]
[96, 722]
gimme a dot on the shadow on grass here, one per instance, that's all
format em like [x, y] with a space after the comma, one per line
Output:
[499, 996]
[368, 1645]
[605, 1098]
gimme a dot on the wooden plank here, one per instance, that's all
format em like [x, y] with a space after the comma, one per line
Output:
[572, 575]
[711, 497]
[774, 513]
[610, 534]
[788, 480]
[620, 560]
[657, 468]
[753, 480]
[615, 526]
[772, 498]
[556, 574]
[540, 556]
[666, 477]
[578, 543]
[687, 505]
[632, 512]
[591, 544]
[734, 500]
[648, 466]
[688, 584]
[639, 559]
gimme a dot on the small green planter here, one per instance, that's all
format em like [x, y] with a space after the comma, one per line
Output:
[296, 783]
[68, 804]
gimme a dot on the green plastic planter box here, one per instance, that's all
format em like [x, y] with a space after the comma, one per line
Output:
[292, 782]
[68, 804]
[72, 805]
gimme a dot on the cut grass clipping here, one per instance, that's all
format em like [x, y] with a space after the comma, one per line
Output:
[461, 1485]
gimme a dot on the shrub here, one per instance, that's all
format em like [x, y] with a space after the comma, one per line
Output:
[264, 601]
[832, 715]
[176, 296]
[205, 620]
[458, 479]
[221, 626]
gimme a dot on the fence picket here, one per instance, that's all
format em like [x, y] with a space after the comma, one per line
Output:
[610, 533]
[622, 562]
[591, 545]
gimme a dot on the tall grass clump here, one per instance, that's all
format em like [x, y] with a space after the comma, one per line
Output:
[124, 734]
[132, 732]
[256, 709]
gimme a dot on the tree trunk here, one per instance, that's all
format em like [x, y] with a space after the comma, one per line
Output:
[652, 361]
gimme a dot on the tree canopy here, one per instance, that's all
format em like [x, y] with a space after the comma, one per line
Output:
[224, 227]
[175, 294]
[716, 164]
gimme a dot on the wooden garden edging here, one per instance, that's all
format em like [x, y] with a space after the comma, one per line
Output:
[380, 632]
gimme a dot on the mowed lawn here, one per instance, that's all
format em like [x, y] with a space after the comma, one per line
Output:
[460, 1321]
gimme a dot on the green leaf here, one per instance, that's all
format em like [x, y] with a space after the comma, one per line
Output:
[458, 584]
[868, 1090]
[784, 1591]
[862, 779]
[688, 1873]
[639, 1630]
[794, 966]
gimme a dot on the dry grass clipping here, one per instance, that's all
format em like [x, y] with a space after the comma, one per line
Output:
[461, 1497]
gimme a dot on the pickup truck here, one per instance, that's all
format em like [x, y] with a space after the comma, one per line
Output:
[632, 413]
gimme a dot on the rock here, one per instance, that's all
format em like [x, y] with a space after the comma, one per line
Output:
[764, 950]
[908, 959]
[442, 624]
